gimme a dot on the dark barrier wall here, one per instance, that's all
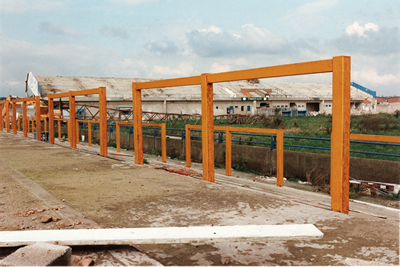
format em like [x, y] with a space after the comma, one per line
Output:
[263, 160]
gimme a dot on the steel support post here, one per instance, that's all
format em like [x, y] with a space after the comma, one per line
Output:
[228, 151]
[51, 120]
[188, 147]
[279, 157]
[38, 122]
[207, 121]
[103, 121]
[72, 121]
[137, 124]
[340, 142]
[25, 122]
[14, 117]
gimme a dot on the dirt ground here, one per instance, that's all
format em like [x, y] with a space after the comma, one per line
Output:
[85, 190]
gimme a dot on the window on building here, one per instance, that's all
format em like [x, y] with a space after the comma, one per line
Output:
[216, 107]
[236, 106]
[242, 108]
[286, 106]
[248, 108]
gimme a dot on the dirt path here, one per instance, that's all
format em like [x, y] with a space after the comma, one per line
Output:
[120, 194]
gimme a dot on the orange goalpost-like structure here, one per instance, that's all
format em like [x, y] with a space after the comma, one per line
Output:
[340, 141]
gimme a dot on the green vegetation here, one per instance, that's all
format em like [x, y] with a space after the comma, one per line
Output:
[241, 166]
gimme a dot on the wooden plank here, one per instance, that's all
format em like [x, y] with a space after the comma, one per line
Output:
[195, 80]
[340, 141]
[103, 122]
[137, 119]
[159, 235]
[38, 121]
[375, 138]
[207, 125]
[311, 67]
[188, 146]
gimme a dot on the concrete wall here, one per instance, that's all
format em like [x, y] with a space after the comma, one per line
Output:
[263, 160]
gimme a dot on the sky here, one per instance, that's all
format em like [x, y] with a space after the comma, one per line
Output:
[178, 38]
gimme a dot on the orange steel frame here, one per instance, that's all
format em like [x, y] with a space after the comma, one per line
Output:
[89, 122]
[59, 127]
[163, 137]
[340, 144]
[228, 147]
[25, 120]
[72, 121]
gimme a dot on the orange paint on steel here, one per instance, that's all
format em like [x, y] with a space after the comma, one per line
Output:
[1, 117]
[375, 138]
[19, 123]
[77, 132]
[72, 122]
[194, 80]
[188, 147]
[207, 123]
[59, 130]
[118, 140]
[103, 121]
[25, 123]
[137, 123]
[279, 158]
[228, 151]
[7, 116]
[45, 124]
[90, 133]
[311, 67]
[38, 122]
[51, 120]
[340, 143]
[163, 136]
[14, 117]
[163, 139]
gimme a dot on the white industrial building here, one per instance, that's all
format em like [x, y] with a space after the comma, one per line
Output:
[239, 97]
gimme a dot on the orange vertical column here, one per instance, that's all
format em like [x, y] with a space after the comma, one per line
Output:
[14, 117]
[103, 121]
[279, 157]
[137, 124]
[188, 147]
[25, 122]
[163, 142]
[90, 133]
[8, 116]
[32, 125]
[340, 140]
[1, 118]
[77, 132]
[51, 120]
[207, 129]
[38, 122]
[59, 129]
[19, 124]
[117, 128]
[228, 151]
[72, 121]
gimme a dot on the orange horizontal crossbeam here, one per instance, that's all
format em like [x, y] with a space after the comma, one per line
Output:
[311, 67]
[375, 138]
[59, 95]
[194, 80]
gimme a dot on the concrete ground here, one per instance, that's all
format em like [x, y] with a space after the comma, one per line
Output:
[85, 190]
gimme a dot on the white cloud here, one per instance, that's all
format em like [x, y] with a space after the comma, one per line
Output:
[215, 68]
[372, 77]
[356, 29]
[57, 29]
[307, 14]
[28, 6]
[184, 69]
[213, 42]
[165, 46]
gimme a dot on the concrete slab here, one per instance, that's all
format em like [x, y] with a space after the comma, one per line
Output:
[39, 254]
[159, 235]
